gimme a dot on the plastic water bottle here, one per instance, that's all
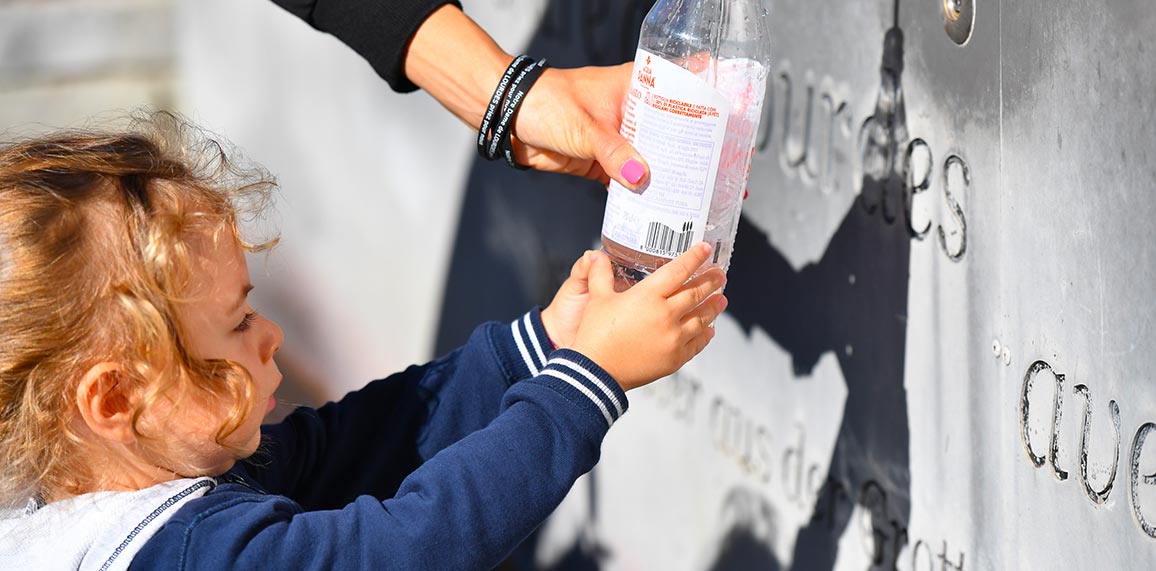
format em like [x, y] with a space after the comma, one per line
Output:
[693, 112]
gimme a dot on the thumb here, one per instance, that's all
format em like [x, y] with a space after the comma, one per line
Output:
[619, 160]
[601, 276]
[577, 283]
[581, 268]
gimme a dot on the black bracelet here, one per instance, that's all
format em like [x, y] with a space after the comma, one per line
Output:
[511, 93]
[499, 95]
[518, 90]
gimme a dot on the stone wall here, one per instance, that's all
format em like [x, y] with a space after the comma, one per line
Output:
[62, 61]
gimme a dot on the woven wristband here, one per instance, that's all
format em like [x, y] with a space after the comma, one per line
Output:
[495, 102]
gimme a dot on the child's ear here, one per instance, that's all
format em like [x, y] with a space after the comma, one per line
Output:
[104, 403]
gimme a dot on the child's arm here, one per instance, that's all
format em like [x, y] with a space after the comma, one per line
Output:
[373, 438]
[470, 504]
[465, 508]
[368, 442]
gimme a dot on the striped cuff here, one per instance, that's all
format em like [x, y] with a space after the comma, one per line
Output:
[523, 354]
[582, 378]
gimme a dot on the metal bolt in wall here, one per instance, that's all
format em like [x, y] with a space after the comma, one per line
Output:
[959, 19]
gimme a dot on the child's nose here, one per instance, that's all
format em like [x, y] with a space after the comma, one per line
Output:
[271, 342]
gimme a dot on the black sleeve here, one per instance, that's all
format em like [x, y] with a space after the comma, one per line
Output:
[378, 30]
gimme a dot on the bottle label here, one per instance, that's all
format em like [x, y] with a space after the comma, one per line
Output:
[677, 121]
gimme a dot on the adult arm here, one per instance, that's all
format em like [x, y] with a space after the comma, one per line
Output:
[568, 122]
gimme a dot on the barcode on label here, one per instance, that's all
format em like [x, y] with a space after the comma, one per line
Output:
[664, 241]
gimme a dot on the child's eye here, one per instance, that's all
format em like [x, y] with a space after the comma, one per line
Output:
[246, 322]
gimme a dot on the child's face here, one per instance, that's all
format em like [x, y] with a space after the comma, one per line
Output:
[219, 324]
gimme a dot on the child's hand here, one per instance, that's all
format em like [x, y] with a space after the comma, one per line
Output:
[562, 316]
[652, 329]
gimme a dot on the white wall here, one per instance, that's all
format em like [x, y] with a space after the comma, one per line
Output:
[371, 180]
[64, 61]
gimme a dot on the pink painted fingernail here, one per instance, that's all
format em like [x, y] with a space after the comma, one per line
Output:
[632, 171]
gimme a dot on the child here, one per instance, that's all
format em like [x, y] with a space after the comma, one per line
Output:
[134, 376]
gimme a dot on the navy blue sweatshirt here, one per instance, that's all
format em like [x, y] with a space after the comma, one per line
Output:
[444, 466]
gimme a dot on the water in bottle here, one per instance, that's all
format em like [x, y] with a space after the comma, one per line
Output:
[692, 112]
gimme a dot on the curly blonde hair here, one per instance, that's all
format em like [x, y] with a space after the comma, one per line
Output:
[94, 251]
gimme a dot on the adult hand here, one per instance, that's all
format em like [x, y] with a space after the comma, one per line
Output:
[569, 124]
[652, 329]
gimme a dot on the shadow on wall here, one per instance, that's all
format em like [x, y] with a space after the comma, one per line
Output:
[852, 302]
[520, 232]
